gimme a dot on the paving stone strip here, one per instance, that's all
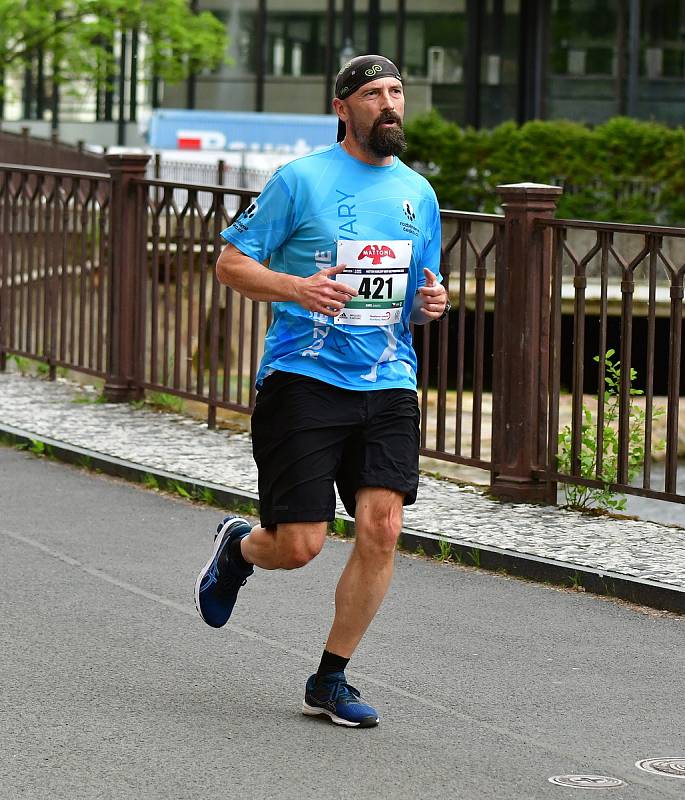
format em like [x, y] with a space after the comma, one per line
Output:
[635, 550]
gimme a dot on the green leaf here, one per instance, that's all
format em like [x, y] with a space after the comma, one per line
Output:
[79, 35]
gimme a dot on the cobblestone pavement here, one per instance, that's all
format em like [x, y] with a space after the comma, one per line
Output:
[185, 446]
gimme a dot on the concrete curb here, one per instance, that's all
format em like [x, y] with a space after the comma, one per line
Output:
[518, 564]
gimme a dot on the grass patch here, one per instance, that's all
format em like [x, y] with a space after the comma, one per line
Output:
[89, 399]
[444, 553]
[180, 490]
[37, 447]
[205, 495]
[339, 527]
[29, 366]
[165, 401]
[150, 482]
[246, 508]
[576, 582]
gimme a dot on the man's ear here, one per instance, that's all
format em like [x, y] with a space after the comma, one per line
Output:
[339, 108]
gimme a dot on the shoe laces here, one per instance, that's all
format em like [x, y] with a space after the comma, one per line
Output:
[342, 691]
[227, 580]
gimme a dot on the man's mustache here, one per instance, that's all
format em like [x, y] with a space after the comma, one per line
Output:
[388, 116]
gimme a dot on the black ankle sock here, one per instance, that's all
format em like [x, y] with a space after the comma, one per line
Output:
[237, 556]
[331, 663]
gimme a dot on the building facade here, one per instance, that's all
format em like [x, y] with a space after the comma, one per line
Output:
[478, 62]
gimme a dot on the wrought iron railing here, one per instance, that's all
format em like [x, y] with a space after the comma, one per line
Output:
[55, 266]
[112, 274]
[455, 373]
[197, 339]
[628, 266]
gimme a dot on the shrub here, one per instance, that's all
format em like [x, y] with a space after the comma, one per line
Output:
[625, 170]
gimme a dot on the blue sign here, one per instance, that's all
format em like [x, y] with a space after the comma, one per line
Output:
[179, 129]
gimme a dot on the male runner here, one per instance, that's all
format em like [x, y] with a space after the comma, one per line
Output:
[353, 238]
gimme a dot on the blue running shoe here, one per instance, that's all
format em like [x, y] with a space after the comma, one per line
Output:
[220, 580]
[333, 697]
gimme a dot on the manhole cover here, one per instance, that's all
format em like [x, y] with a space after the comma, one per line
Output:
[586, 781]
[670, 767]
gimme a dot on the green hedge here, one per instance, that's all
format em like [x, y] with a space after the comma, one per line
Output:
[623, 171]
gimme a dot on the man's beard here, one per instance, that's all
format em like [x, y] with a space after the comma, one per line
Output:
[381, 141]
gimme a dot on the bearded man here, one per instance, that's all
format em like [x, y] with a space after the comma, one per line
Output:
[353, 240]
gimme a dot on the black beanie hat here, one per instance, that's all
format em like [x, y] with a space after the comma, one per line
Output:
[359, 71]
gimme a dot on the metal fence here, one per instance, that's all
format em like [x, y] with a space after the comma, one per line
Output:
[56, 266]
[197, 339]
[197, 172]
[109, 274]
[610, 430]
[456, 410]
[200, 172]
[21, 148]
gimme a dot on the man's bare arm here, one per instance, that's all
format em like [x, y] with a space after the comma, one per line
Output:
[319, 292]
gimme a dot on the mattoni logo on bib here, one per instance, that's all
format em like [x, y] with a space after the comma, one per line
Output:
[376, 253]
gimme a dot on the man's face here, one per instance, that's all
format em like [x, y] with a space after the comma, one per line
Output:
[374, 117]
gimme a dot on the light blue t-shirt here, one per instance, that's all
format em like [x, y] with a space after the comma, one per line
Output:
[305, 209]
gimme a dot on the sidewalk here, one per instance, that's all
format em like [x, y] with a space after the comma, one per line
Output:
[636, 560]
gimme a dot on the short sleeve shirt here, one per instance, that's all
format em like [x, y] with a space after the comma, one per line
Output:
[307, 207]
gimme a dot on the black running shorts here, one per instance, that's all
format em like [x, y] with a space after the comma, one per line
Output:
[308, 435]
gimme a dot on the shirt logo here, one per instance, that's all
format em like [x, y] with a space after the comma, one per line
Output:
[376, 253]
[409, 212]
[251, 210]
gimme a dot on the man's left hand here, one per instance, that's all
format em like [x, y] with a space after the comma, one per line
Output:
[431, 299]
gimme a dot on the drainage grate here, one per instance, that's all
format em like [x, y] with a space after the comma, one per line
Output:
[586, 781]
[670, 767]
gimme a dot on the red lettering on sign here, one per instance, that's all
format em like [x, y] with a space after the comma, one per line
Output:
[376, 253]
[189, 144]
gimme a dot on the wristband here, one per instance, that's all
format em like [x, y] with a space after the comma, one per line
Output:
[446, 311]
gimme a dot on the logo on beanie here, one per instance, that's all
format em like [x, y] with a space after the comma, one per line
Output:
[371, 71]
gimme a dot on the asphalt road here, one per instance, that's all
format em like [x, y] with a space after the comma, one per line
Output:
[112, 687]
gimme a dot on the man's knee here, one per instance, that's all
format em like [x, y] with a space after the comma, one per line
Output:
[298, 545]
[379, 520]
[382, 534]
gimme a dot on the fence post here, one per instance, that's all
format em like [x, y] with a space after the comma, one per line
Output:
[521, 343]
[120, 386]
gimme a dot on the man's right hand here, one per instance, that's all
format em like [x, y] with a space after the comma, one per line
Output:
[321, 293]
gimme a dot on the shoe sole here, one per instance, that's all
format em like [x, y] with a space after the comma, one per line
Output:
[217, 544]
[315, 711]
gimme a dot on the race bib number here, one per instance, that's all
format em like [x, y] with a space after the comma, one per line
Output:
[378, 271]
